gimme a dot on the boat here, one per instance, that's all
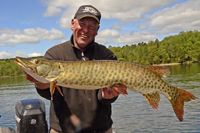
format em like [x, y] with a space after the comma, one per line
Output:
[30, 117]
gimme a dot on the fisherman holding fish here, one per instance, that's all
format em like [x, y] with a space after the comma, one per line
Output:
[86, 89]
[85, 111]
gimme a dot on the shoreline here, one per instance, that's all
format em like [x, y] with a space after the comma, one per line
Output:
[167, 64]
[12, 76]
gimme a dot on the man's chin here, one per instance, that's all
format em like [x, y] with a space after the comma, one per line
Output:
[84, 42]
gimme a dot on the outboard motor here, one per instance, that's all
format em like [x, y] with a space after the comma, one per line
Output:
[30, 116]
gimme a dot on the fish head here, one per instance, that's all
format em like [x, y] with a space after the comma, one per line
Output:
[37, 67]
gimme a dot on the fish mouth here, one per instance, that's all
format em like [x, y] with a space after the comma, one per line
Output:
[24, 64]
[19, 62]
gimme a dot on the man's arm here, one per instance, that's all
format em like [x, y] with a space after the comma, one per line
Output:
[107, 96]
[43, 89]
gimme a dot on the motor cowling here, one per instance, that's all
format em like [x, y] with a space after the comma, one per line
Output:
[30, 116]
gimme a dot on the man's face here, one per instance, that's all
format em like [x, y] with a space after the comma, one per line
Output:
[84, 31]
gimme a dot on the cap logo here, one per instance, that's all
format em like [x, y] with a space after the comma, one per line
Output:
[90, 9]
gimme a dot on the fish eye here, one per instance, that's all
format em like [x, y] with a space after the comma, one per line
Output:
[35, 61]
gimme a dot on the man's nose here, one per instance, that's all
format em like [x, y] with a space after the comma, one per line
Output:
[86, 28]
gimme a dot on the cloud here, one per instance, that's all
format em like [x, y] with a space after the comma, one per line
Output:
[134, 38]
[156, 18]
[63, 41]
[181, 17]
[3, 44]
[153, 15]
[18, 38]
[29, 35]
[7, 55]
[34, 54]
[125, 11]
[9, 31]
[130, 10]
[113, 36]
[118, 25]
[19, 54]
[52, 11]
[44, 34]
[54, 7]
[12, 45]
[105, 36]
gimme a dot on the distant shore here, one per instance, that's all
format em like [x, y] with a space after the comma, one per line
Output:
[12, 76]
[168, 64]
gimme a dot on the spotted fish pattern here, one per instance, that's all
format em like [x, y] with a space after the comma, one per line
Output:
[91, 75]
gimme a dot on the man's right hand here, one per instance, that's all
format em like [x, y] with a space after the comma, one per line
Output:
[38, 84]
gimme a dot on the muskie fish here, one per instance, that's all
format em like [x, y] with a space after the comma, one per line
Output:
[91, 75]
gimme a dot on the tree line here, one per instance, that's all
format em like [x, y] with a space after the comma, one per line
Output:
[9, 68]
[184, 47]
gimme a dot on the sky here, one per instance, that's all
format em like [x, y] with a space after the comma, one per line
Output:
[28, 28]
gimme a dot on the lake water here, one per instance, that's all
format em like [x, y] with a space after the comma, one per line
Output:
[130, 114]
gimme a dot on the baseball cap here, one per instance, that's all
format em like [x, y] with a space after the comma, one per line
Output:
[88, 11]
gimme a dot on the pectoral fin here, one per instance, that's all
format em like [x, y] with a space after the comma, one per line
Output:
[59, 90]
[52, 89]
[120, 88]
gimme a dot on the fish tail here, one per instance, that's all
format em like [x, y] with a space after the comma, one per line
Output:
[178, 100]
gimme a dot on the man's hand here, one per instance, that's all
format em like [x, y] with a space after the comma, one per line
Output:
[109, 93]
[38, 84]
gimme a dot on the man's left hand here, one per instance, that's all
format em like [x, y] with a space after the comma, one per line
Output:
[109, 93]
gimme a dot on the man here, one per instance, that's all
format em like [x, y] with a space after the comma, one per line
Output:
[87, 110]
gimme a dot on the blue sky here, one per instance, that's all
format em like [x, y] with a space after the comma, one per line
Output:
[30, 27]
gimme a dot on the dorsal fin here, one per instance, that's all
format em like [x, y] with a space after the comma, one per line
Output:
[159, 70]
